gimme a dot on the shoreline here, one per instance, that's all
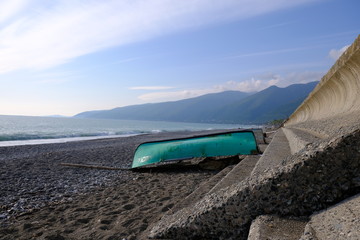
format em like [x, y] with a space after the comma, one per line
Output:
[40, 141]
[61, 140]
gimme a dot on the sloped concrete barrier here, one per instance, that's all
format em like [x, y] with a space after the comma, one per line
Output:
[338, 91]
[308, 181]
[317, 167]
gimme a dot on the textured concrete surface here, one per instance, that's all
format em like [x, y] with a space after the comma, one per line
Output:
[202, 190]
[341, 221]
[225, 178]
[332, 126]
[259, 135]
[277, 150]
[239, 173]
[338, 91]
[268, 227]
[308, 181]
[298, 139]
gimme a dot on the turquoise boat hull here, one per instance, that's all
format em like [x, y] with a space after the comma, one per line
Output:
[215, 145]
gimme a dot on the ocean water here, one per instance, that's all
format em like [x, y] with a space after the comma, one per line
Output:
[21, 130]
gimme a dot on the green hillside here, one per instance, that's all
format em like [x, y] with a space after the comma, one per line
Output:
[225, 107]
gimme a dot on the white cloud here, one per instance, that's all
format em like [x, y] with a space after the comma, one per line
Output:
[55, 77]
[260, 82]
[254, 84]
[274, 52]
[127, 60]
[53, 81]
[300, 77]
[278, 25]
[41, 34]
[10, 8]
[150, 88]
[336, 53]
[175, 95]
[251, 85]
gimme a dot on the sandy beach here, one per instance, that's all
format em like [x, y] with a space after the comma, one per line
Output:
[41, 199]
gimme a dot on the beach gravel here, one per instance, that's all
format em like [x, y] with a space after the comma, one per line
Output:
[40, 198]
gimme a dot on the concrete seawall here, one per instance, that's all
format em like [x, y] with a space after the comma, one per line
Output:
[337, 93]
[307, 179]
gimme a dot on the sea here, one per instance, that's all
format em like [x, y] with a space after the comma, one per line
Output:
[24, 130]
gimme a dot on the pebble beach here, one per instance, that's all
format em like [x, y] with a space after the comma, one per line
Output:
[43, 199]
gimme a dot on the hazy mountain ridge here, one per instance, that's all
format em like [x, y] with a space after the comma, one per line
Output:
[225, 107]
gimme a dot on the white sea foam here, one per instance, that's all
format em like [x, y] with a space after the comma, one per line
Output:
[57, 140]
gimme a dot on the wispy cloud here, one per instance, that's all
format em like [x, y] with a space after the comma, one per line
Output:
[338, 34]
[151, 88]
[254, 84]
[266, 53]
[56, 77]
[49, 33]
[272, 52]
[53, 81]
[278, 25]
[126, 60]
[10, 8]
[336, 53]
[176, 95]
[265, 80]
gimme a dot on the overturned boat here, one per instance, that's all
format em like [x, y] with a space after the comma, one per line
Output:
[212, 145]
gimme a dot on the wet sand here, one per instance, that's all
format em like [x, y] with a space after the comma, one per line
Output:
[41, 199]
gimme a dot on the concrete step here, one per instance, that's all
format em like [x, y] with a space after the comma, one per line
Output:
[224, 178]
[202, 190]
[259, 135]
[339, 222]
[310, 181]
[268, 227]
[277, 150]
[299, 138]
[342, 221]
[240, 172]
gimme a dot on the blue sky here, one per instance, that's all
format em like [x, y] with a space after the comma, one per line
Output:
[65, 57]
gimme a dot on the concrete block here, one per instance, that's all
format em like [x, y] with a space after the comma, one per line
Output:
[273, 155]
[268, 227]
[298, 139]
[240, 172]
[339, 222]
[312, 180]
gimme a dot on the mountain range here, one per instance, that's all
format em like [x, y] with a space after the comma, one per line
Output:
[224, 107]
